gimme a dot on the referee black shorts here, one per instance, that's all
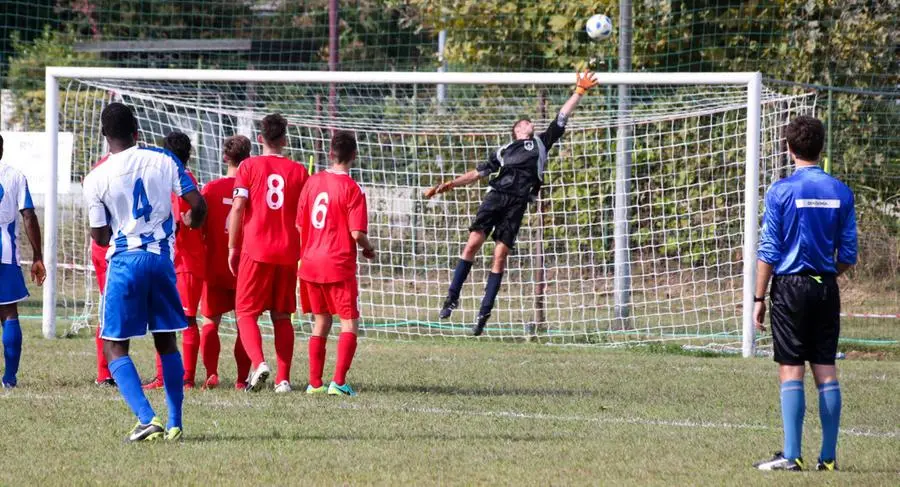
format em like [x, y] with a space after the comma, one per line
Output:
[500, 214]
[806, 318]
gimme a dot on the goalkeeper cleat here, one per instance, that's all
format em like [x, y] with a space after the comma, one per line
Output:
[826, 465]
[283, 387]
[778, 462]
[151, 431]
[105, 383]
[211, 382]
[478, 329]
[316, 390]
[344, 390]
[258, 378]
[450, 304]
[174, 434]
[154, 383]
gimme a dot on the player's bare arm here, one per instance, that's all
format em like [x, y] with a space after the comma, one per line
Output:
[235, 232]
[362, 240]
[764, 272]
[102, 235]
[38, 272]
[584, 81]
[194, 217]
[464, 180]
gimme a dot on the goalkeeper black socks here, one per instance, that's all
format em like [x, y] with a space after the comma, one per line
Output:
[460, 274]
[490, 292]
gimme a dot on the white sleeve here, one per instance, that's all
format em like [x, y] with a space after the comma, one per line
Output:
[96, 209]
[24, 196]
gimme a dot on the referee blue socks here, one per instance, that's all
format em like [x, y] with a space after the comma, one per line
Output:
[173, 381]
[12, 350]
[490, 292]
[830, 415]
[129, 384]
[460, 274]
[793, 406]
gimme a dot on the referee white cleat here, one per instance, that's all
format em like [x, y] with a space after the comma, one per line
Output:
[258, 378]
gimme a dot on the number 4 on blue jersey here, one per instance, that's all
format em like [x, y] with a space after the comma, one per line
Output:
[141, 206]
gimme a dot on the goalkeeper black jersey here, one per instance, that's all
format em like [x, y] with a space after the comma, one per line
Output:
[521, 163]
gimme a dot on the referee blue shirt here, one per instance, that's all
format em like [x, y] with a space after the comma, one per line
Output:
[809, 217]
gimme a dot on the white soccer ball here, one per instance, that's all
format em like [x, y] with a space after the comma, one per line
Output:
[599, 27]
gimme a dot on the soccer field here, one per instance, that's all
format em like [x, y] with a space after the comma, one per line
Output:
[433, 412]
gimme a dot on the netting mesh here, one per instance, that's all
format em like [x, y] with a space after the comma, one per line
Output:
[685, 213]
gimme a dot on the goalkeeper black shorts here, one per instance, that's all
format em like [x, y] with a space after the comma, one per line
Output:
[806, 318]
[500, 215]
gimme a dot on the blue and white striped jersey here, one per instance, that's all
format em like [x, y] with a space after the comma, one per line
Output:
[131, 192]
[14, 197]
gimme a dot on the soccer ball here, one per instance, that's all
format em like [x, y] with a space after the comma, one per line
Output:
[599, 27]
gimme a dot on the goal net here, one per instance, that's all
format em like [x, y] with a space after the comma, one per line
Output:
[684, 210]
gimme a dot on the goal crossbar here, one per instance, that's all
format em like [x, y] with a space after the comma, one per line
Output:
[751, 80]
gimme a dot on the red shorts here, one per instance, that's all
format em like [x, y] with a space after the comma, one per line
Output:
[190, 289]
[262, 286]
[216, 301]
[333, 298]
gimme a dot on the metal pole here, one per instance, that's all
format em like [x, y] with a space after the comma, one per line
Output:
[622, 280]
[332, 54]
[828, 157]
[442, 88]
[540, 274]
[751, 210]
[51, 126]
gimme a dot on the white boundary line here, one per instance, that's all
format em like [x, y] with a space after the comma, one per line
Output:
[219, 402]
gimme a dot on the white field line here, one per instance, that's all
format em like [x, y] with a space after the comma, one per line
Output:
[858, 431]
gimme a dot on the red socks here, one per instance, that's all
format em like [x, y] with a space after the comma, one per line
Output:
[316, 360]
[210, 347]
[102, 367]
[241, 359]
[284, 348]
[190, 344]
[346, 351]
[251, 338]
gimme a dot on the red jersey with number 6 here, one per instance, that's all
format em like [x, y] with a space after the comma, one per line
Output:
[332, 205]
[272, 186]
[218, 199]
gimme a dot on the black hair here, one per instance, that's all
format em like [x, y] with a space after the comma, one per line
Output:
[118, 122]
[523, 119]
[273, 128]
[343, 145]
[179, 144]
[805, 136]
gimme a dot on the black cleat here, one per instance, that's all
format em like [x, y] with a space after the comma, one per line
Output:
[478, 329]
[826, 465]
[151, 431]
[450, 304]
[778, 462]
[106, 383]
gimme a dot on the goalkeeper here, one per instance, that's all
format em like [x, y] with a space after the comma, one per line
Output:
[520, 172]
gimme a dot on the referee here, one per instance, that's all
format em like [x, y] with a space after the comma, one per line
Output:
[808, 238]
[520, 173]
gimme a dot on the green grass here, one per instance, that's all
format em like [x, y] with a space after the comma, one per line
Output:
[451, 412]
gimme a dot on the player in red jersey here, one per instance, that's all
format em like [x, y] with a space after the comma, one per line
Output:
[190, 269]
[266, 191]
[98, 259]
[218, 291]
[333, 221]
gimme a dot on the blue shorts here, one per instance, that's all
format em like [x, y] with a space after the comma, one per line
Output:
[140, 293]
[12, 284]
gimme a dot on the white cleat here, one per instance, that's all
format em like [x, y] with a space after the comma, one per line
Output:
[283, 387]
[258, 378]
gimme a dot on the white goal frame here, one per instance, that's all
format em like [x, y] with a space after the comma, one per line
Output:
[751, 80]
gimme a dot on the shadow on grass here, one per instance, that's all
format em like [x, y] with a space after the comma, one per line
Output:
[394, 436]
[475, 391]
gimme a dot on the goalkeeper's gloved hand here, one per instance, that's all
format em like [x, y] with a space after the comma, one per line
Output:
[440, 188]
[584, 81]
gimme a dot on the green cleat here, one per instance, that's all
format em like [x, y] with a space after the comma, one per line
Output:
[316, 390]
[174, 434]
[344, 390]
[826, 465]
[146, 432]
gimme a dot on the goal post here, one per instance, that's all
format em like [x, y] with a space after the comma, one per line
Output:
[682, 118]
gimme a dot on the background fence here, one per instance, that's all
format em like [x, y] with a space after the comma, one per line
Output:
[846, 52]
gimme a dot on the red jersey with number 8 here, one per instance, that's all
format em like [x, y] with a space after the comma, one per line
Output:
[272, 186]
[331, 206]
